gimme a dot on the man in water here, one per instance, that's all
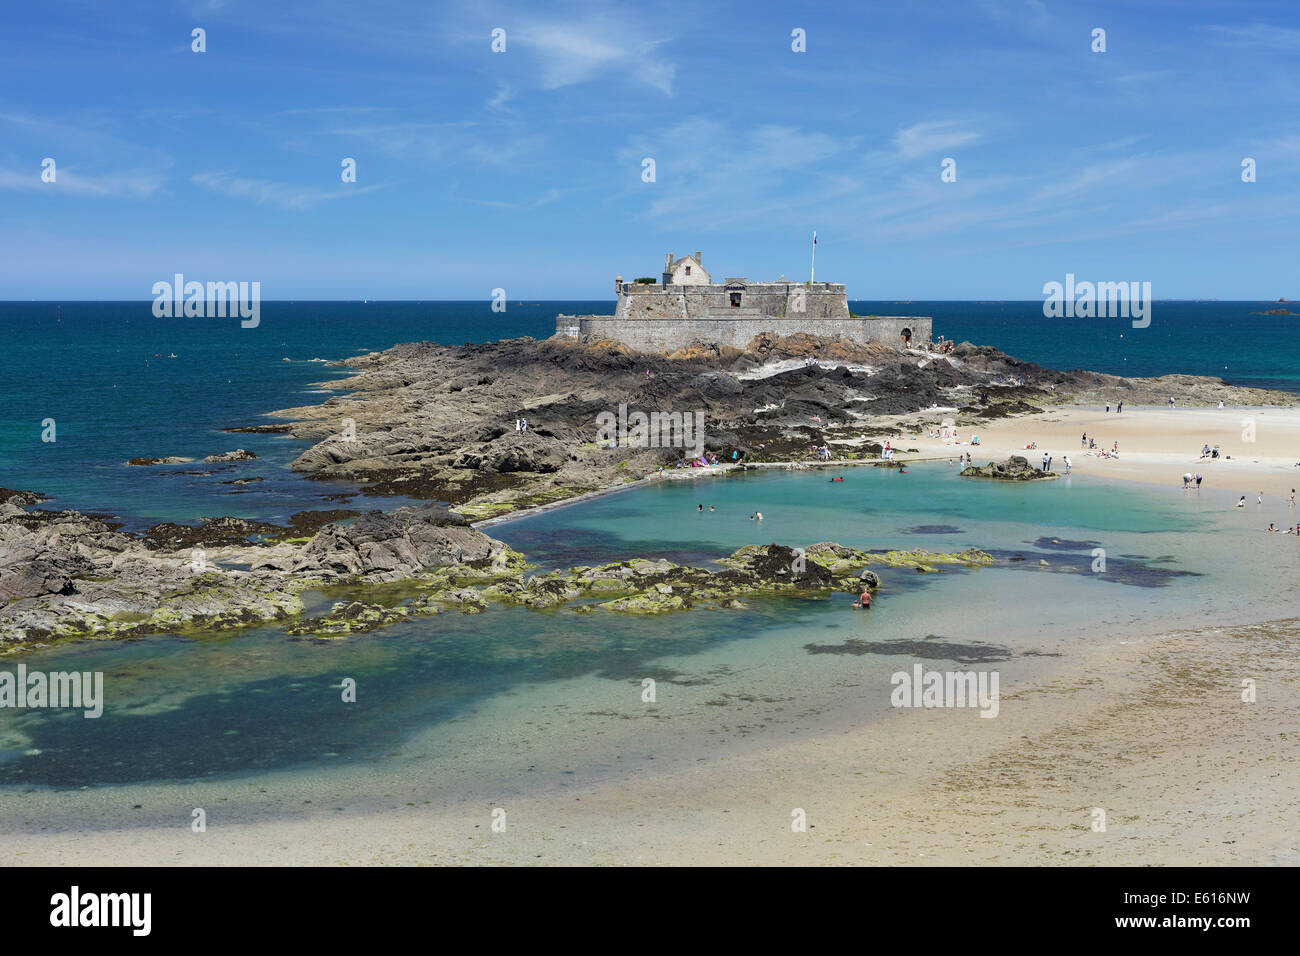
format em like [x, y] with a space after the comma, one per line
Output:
[864, 600]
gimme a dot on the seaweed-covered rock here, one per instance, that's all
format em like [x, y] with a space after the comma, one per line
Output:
[352, 617]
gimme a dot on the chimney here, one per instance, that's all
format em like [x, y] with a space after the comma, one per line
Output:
[699, 258]
[668, 263]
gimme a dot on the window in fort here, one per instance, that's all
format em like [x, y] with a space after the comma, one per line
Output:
[906, 336]
[735, 300]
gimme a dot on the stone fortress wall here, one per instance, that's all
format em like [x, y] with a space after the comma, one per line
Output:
[664, 316]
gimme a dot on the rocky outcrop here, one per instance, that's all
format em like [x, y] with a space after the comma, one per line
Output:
[169, 460]
[64, 574]
[1015, 468]
[438, 422]
[239, 454]
[396, 546]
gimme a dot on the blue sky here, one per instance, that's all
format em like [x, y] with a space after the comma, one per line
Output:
[523, 169]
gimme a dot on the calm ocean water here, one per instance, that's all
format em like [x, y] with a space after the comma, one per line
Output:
[102, 372]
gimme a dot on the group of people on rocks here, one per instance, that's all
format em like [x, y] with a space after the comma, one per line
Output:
[701, 461]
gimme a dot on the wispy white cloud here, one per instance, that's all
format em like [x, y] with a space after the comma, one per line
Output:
[131, 184]
[570, 52]
[503, 95]
[283, 195]
[924, 138]
[1260, 35]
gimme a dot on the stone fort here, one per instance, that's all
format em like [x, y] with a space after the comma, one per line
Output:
[686, 306]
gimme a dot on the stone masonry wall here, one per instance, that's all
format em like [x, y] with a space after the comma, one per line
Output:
[654, 334]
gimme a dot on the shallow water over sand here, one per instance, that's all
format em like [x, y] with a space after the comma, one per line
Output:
[513, 699]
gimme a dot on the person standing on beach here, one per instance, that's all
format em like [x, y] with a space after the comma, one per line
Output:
[1049, 462]
[1083, 442]
[1045, 460]
[1120, 409]
[1108, 408]
[1066, 459]
[1292, 497]
[1198, 482]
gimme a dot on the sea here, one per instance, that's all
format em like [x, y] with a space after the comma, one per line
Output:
[498, 702]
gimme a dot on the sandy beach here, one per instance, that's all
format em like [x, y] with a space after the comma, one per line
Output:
[1154, 732]
[1156, 445]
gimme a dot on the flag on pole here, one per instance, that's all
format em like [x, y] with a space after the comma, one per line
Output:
[814, 237]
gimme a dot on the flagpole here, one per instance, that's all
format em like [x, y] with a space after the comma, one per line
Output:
[812, 275]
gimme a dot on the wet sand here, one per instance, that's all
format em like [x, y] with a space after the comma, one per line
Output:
[1152, 731]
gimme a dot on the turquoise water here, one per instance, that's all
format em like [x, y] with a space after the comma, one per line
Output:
[254, 704]
[101, 371]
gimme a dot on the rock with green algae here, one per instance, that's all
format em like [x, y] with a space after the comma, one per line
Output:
[351, 617]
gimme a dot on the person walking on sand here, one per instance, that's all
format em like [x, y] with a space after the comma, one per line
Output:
[1120, 409]
[1260, 500]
